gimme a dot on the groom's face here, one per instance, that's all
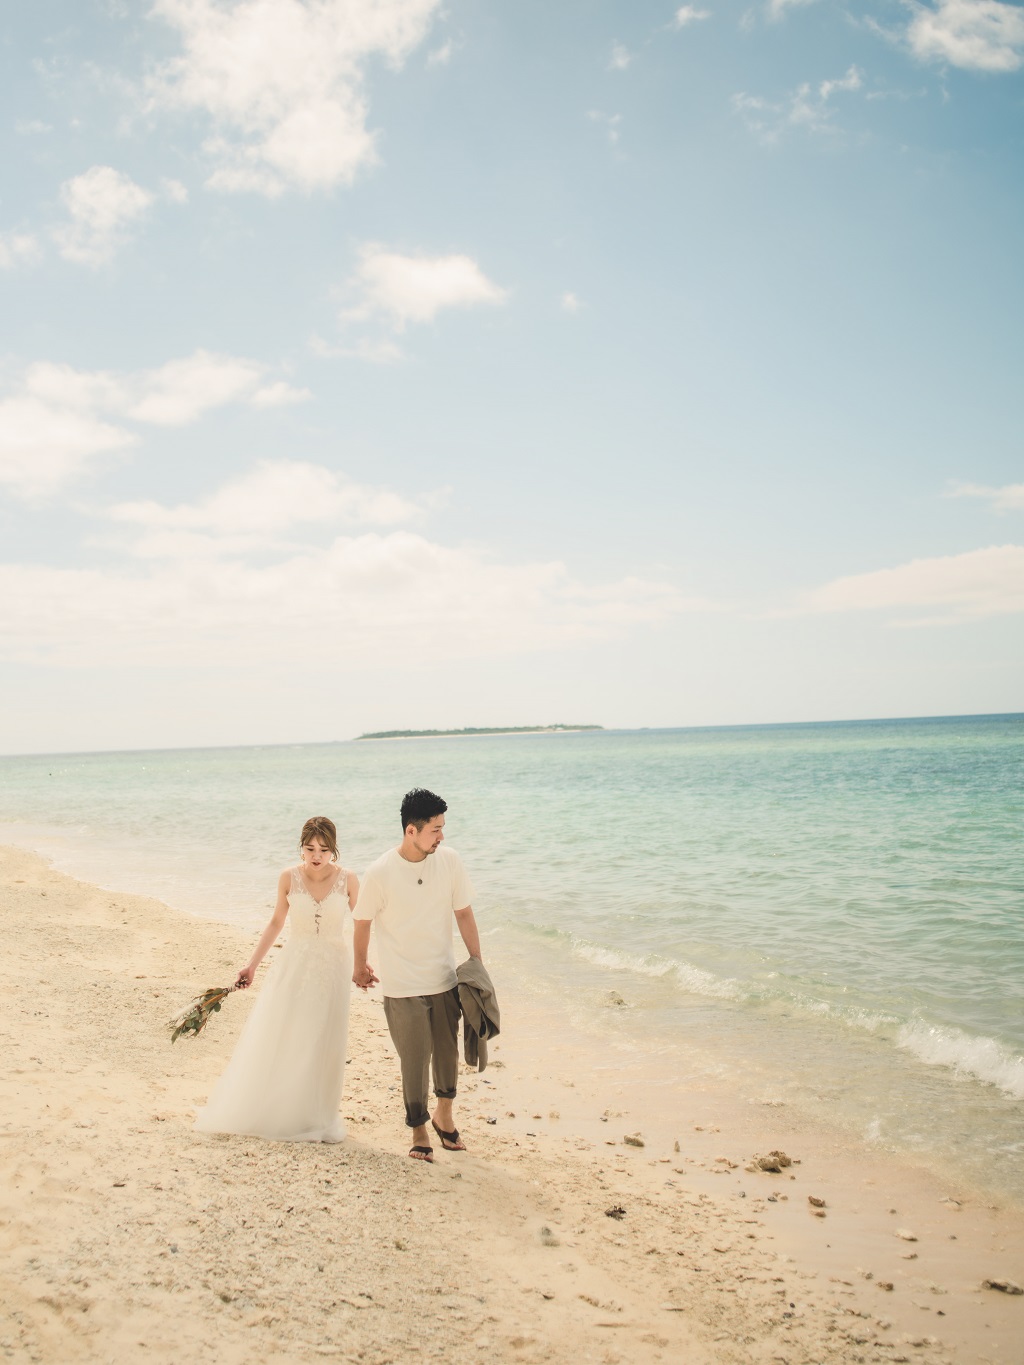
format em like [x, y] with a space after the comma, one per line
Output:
[428, 839]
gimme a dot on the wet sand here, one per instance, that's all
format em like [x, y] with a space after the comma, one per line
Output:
[126, 1236]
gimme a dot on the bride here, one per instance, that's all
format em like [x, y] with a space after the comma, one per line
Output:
[285, 1077]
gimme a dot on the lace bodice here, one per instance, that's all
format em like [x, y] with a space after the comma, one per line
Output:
[327, 919]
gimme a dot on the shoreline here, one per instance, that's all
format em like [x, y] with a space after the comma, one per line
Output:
[823, 1073]
[720, 1044]
[128, 1235]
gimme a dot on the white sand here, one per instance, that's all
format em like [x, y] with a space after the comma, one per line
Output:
[124, 1236]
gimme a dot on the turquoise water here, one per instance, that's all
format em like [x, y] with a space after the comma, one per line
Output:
[827, 916]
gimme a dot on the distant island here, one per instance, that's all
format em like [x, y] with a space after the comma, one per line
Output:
[479, 730]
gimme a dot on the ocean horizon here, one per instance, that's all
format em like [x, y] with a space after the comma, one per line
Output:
[821, 914]
[511, 732]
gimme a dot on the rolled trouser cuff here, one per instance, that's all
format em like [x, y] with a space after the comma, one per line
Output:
[425, 1032]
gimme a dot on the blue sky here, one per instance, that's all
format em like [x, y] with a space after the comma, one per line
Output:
[389, 365]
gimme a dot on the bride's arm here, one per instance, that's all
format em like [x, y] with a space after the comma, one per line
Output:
[352, 890]
[270, 933]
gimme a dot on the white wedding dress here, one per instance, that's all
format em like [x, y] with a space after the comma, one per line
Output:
[285, 1076]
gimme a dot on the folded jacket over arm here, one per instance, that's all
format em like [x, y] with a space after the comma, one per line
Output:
[480, 1017]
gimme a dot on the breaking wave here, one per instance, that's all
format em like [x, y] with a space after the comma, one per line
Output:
[982, 1058]
[985, 1059]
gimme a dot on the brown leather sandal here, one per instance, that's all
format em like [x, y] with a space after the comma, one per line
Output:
[451, 1142]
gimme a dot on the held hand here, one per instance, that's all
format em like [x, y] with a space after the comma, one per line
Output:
[364, 977]
[245, 977]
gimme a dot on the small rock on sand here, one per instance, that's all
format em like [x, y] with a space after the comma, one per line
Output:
[906, 1236]
[815, 1202]
[633, 1140]
[773, 1161]
[1004, 1286]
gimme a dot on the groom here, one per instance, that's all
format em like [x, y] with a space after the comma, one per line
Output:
[410, 893]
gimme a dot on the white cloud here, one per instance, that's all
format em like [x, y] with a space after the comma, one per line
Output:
[257, 512]
[404, 289]
[59, 419]
[689, 14]
[375, 352]
[283, 83]
[17, 248]
[620, 59]
[570, 303]
[279, 395]
[853, 80]
[174, 191]
[777, 8]
[806, 108]
[62, 386]
[42, 447]
[441, 56]
[611, 123]
[32, 127]
[1009, 498]
[360, 597]
[102, 204]
[182, 390]
[978, 35]
[980, 583]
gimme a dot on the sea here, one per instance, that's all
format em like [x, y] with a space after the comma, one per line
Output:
[826, 916]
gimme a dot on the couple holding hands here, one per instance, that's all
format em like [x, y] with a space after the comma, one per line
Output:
[286, 1075]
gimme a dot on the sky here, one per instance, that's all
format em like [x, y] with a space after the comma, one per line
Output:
[407, 364]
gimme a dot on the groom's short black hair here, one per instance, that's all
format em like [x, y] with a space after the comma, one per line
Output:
[419, 806]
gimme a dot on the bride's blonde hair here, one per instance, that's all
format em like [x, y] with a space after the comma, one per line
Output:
[319, 827]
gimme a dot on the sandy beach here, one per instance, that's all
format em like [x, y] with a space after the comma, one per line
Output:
[126, 1236]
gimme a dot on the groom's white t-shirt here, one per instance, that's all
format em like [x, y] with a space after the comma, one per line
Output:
[411, 906]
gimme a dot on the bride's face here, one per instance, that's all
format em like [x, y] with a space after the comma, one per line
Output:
[315, 854]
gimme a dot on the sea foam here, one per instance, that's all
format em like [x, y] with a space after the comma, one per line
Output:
[983, 1058]
[690, 977]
